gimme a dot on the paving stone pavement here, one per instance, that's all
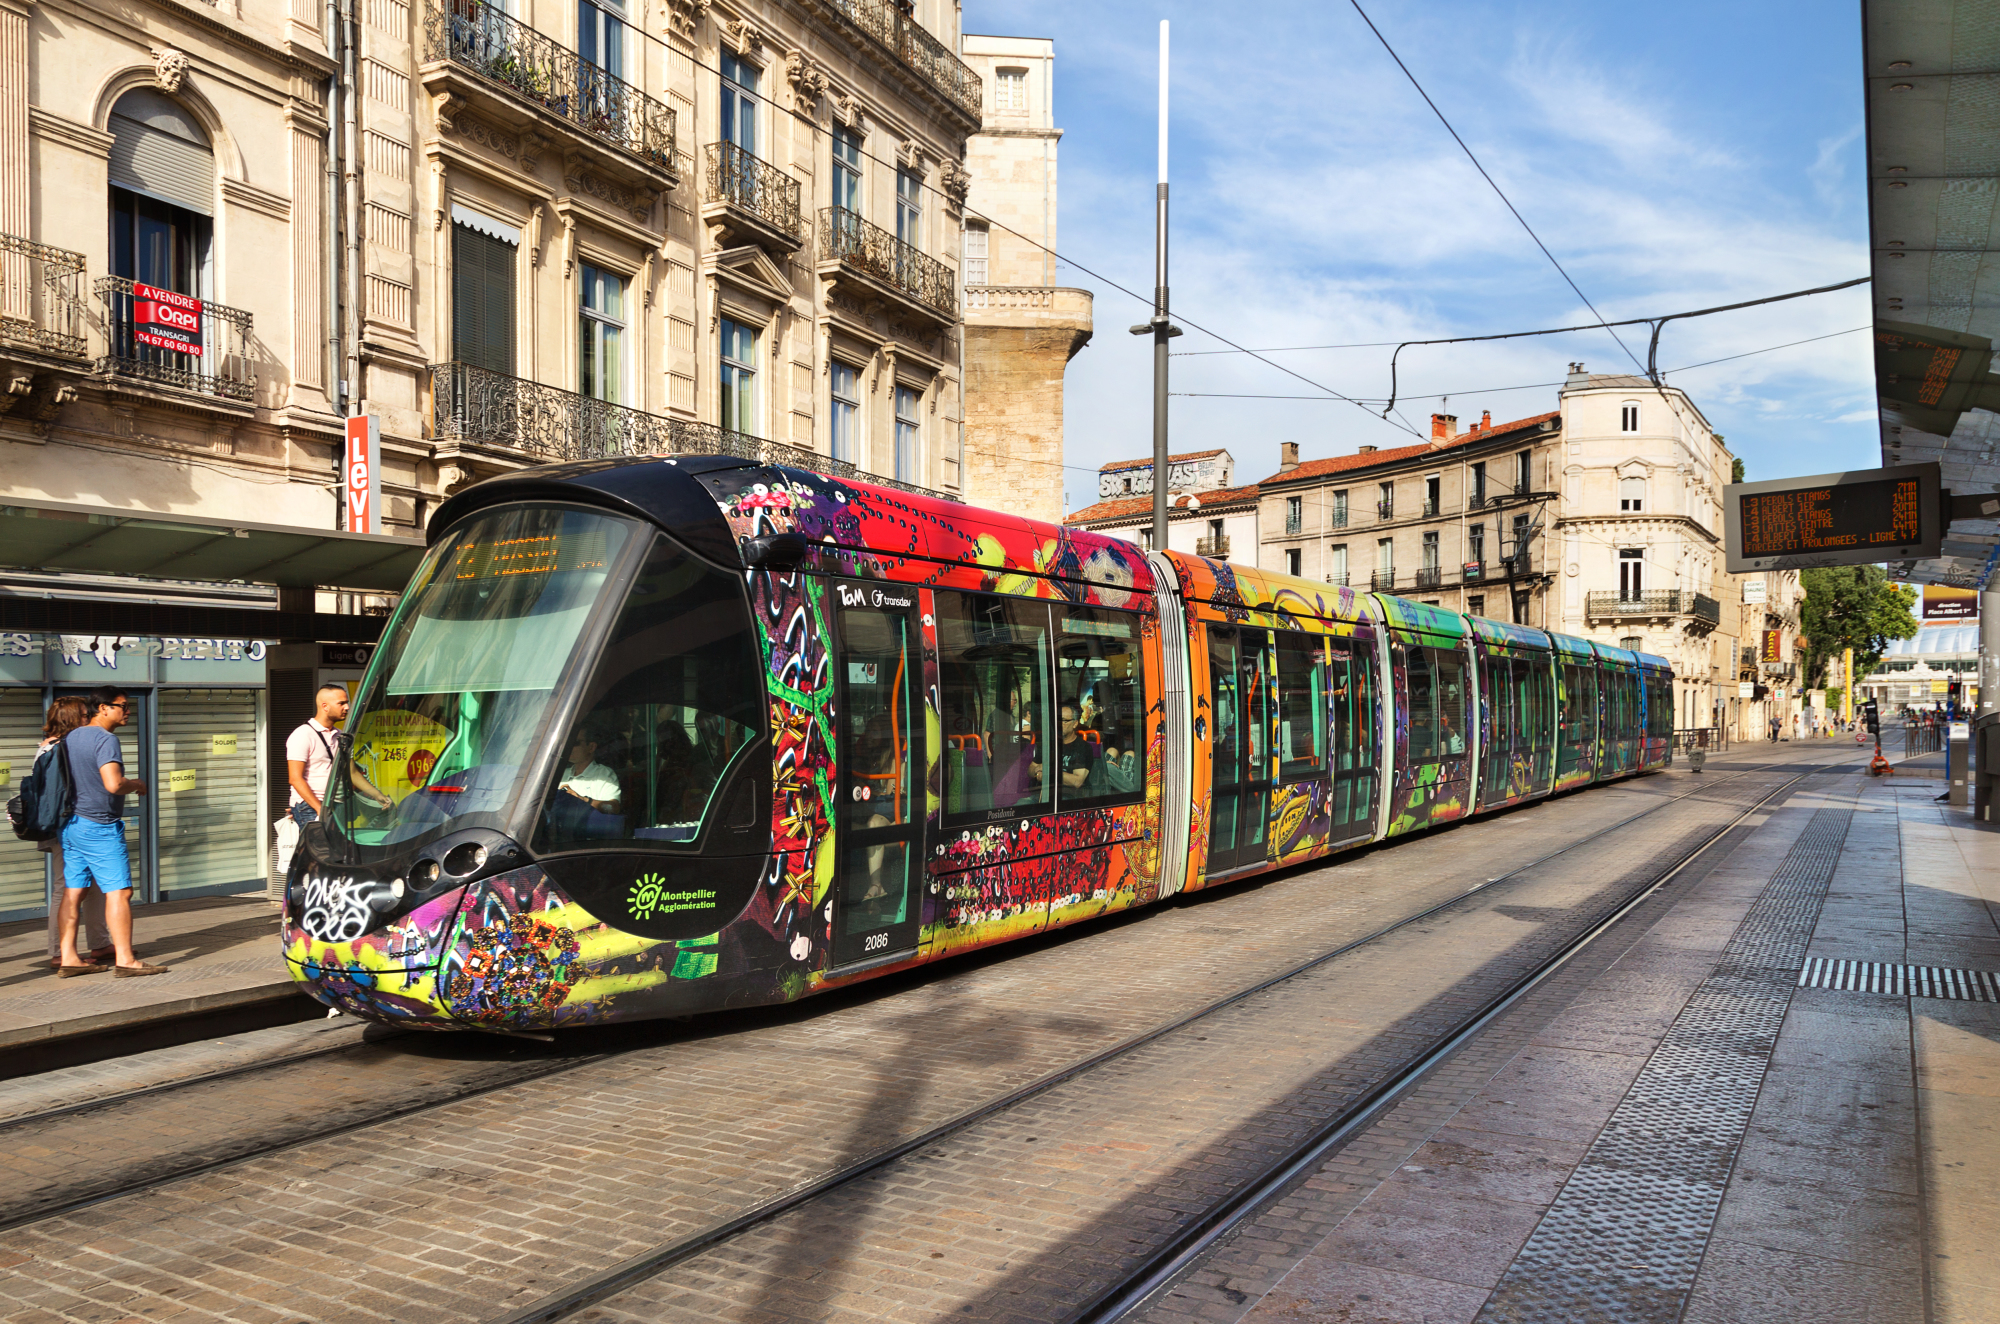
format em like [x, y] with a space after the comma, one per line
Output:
[455, 1211]
[1861, 1189]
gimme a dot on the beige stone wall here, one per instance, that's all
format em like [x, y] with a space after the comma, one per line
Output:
[1014, 421]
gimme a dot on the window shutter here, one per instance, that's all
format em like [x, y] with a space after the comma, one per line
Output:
[161, 165]
[482, 314]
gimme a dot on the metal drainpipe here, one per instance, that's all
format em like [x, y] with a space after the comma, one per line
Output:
[330, 235]
[351, 207]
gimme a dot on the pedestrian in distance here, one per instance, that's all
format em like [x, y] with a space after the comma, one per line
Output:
[309, 755]
[93, 841]
[1775, 723]
[65, 715]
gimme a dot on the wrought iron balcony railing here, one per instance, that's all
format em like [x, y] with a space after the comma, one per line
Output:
[1338, 579]
[1381, 581]
[753, 185]
[479, 37]
[1430, 509]
[1664, 602]
[1215, 545]
[868, 248]
[1385, 510]
[886, 22]
[486, 408]
[1429, 576]
[41, 297]
[1294, 524]
[1339, 518]
[223, 367]
[1474, 571]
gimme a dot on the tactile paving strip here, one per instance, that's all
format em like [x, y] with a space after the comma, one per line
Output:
[1900, 981]
[1623, 1240]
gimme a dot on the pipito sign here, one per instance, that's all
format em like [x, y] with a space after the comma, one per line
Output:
[166, 320]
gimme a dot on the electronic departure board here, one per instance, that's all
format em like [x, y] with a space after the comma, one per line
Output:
[1834, 519]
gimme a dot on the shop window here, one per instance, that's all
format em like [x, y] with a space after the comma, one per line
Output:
[211, 830]
[22, 888]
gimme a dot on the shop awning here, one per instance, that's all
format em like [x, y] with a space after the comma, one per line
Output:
[57, 535]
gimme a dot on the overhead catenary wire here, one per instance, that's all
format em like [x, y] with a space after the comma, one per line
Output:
[1525, 386]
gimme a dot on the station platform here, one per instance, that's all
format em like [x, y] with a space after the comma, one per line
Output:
[226, 974]
[1772, 1095]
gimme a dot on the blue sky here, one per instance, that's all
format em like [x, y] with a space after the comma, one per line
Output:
[1672, 158]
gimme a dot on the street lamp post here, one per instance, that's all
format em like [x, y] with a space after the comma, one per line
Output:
[1159, 327]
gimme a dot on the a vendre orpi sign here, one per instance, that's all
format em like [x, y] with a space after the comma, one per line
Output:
[166, 320]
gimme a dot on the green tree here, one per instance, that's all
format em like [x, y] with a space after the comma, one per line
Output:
[1735, 468]
[1853, 606]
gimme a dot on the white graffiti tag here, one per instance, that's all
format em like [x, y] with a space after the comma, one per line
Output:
[335, 909]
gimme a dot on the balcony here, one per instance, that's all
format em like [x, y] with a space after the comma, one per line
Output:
[1215, 546]
[1294, 525]
[1429, 577]
[41, 298]
[1430, 509]
[1385, 510]
[536, 423]
[930, 59]
[1382, 581]
[1339, 519]
[751, 197]
[222, 368]
[1338, 579]
[1700, 612]
[882, 269]
[498, 65]
[1474, 571]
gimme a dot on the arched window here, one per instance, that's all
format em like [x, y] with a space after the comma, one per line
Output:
[1628, 416]
[162, 193]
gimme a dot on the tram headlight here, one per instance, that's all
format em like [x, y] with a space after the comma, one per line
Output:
[425, 873]
[464, 858]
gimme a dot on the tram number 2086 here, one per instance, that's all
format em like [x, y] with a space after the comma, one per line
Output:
[875, 942]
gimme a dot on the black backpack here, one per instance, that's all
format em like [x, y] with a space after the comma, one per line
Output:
[48, 796]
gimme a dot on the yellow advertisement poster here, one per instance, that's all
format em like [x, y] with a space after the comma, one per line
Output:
[222, 744]
[397, 750]
[181, 781]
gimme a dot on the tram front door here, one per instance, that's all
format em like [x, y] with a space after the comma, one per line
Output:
[1239, 687]
[881, 791]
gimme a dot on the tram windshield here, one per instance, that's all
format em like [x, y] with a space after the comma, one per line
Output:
[447, 719]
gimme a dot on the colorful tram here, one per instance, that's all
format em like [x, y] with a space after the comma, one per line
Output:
[655, 736]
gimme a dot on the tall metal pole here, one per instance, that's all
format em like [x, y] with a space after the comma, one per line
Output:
[1159, 324]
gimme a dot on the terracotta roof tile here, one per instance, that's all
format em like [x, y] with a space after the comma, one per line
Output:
[1130, 507]
[1342, 463]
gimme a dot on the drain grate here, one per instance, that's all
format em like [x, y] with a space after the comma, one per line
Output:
[1900, 981]
[1625, 1237]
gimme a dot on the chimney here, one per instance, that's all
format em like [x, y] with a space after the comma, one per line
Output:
[1577, 378]
[1364, 450]
[1443, 428]
[1485, 420]
[1288, 456]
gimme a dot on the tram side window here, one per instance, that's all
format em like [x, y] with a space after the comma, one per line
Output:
[670, 742]
[1301, 706]
[993, 660]
[1449, 669]
[1423, 706]
[1533, 733]
[1659, 708]
[1101, 679]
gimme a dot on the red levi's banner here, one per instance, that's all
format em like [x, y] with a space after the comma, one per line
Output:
[166, 320]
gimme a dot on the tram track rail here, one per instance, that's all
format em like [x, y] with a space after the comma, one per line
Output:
[656, 1262]
[1216, 1223]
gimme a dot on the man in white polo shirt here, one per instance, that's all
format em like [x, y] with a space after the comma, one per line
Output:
[309, 755]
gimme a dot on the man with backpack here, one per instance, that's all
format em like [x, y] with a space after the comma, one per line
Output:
[93, 841]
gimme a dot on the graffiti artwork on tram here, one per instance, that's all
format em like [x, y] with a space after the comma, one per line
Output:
[1302, 820]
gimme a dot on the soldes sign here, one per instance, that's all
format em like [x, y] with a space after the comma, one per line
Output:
[166, 320]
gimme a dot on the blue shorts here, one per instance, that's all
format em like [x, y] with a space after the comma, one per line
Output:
[94, 852]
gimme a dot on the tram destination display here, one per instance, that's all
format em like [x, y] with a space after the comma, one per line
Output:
[1856, 518]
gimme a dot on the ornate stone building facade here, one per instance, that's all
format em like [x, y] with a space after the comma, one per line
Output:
[511, 233]
[1021, 329]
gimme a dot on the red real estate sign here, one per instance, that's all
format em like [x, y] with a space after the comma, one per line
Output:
[166, 320]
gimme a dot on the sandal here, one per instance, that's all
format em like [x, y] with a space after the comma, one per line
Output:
[136, 971]
[72, 971]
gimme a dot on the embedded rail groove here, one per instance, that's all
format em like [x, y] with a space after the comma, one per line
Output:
[1202, 1233]
[650, 1264]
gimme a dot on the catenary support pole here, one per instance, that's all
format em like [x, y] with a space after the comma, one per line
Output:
[1159, 323]
[1989, 646]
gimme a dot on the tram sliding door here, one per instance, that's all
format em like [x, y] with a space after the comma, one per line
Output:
[1240, 796]
[880, 796]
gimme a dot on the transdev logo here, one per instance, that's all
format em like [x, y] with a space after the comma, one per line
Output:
[650, 898]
